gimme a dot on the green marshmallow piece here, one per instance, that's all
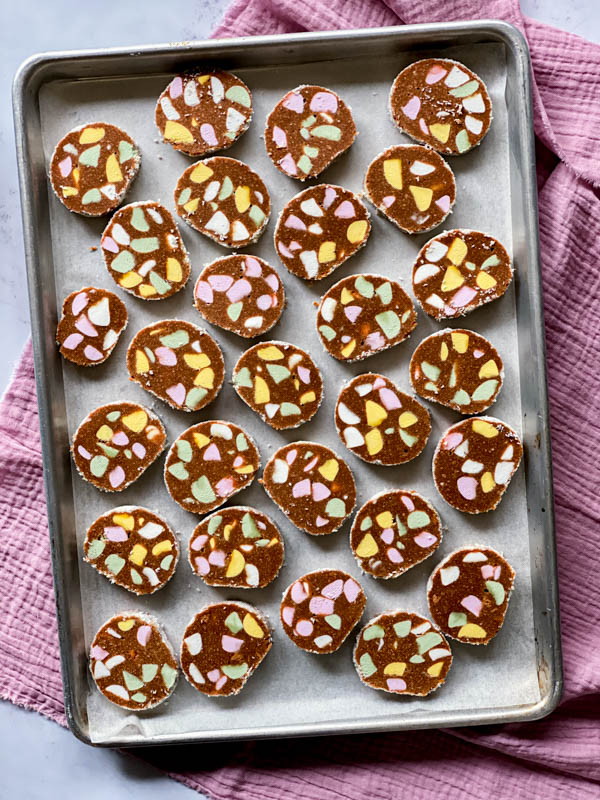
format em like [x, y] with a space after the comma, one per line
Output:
[402, 629]
[98, 466]
[278, 373]
[234, 310]
[202, 490]
[457, 619]
[462, 141]
[113, 416]
[91, 196]
[235, 671]
[407, 438]
[139, 221]
[147, 244]
[111, 452]
[256, 214]
[427, 641]
[430, 370]
[461, 398]
[400, 525]
[184, 450]
[416, 659]
[233, 622]
[169, 675]
[179, 471]
[335, 508]
[496, 590]
[135, 576]
[262, 542]
[114, 563]
[304, 163]
[126, 151]
[364, 287]
[243, 378]
[465, 90]
[131, 681]
[249, 527]
[289, 409]
[331, 132]
[384, 293]
[123, 262]
[334, 620]
[366, 524]
[237, 94]
[373, 632]
[138, 697]
[195, 396]
[327, 332]
[367, 667]
[166, 562]
[485, 390]
[176, 339]
[389, 322]
[213, 524]
[417, 519]
[311, 152]
[89, 157]
[241, 442]
[226, 188]
[308, 121]
[95, 548]
[160, 284]
[149, 672]
[185, 196]
[491, 261]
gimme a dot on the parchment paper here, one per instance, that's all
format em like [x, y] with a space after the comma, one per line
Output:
[293, 686]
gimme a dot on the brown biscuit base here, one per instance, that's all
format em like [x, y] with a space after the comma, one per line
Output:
[201, 112]
[116, 443]
[144, 252]
[133, 547]
[319, 610]
[393, 532]
[90, 325]
[237, 546]
[459, 369]
[379, 423]
[309, 128]
[474, 463]
[209, 463]
[412, 186]
[458, 271]
[402, 653]
[222, 646]
[468, 594]
[93, 167]
[312, 486]
[177, 362]
[240, 293]
[132, 662]
[362, 315]
[319, 229]
[280, 382]
[441, 103]
[225, 200]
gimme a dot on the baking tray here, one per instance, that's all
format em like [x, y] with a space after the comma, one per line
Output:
[105, 73]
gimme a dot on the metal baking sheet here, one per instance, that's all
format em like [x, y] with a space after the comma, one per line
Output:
[519, 675]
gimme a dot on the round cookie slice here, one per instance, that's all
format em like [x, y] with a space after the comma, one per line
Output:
[133, 547]
[379, 423]
[225, 200]
[319, 229]
[280, 382]
[459, 369]
[468, 594]
[458, 271]
[177, 362]
[441, 103]
[412, 186]
[93, 167]
[312, 486]
[144, 252]
[474, 463]
[209, 463]
[362, 315]
[394, 531]
[320, 609]
[240, 293]
[237, 546]
[309, 128]
[201, 112]
[116, 443]
[132, 661]
[223, 645]
[90, 325]
[402, 653]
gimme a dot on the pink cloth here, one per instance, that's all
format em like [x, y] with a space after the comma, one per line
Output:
[558, 757]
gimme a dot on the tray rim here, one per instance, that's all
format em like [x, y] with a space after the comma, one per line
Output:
[28, 80]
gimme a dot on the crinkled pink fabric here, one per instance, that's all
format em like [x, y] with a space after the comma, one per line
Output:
[558, 757]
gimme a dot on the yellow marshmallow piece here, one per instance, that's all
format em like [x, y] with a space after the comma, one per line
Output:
[176, 132]
[376, 414]
[138, 554]
[136, 421]
[441, 132]
[174, 271]
[392, 172]
[457, 251]
[356, 231]
[237, 562]
[91, 135]
[113, 170]
[460, 342]
[201, 172]
[326, 252]
[422, 196]
[141, 361]
[489, 369]
[329, 469]
[367, 547]
[252, 627]
[261, 391]
[484, 428]
[395, 668]
[452, 279]
[406, 419]
[374, 442]
[124, 520]
[242, 198]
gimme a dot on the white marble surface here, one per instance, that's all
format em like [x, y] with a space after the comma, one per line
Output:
[40, 760]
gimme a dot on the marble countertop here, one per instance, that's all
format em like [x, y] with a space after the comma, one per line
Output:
[30, 744]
